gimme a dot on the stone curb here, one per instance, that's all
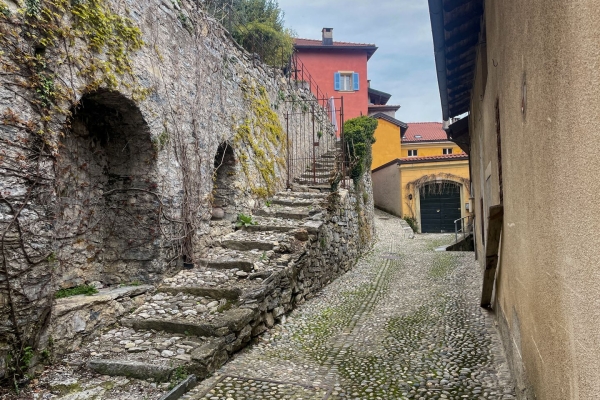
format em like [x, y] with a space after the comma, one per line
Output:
[181, 389]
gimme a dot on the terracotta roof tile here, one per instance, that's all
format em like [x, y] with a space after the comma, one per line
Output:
[458, 156]
[426, 159]
[424, 132]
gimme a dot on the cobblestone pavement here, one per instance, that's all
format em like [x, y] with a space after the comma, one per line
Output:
[403, 324]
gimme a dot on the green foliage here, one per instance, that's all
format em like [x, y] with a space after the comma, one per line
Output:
[244, 220]
[4, 10]
[359, 136]
[268, 203]
[178, 375]
[258, 26]
[26, 357]
[88, 290]
[33, 8]
[161, 140]
[45, 90]
[412, 222]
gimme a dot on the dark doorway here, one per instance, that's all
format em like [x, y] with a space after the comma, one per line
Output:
[440, 207]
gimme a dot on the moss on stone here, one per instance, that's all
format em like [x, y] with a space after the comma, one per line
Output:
[261, 132]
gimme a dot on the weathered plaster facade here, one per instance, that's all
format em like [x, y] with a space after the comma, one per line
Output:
[114, 180]
[533, 126]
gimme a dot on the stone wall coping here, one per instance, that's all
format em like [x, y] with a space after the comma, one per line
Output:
[68, 304]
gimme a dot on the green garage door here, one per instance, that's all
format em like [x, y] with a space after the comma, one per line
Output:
[440, 207]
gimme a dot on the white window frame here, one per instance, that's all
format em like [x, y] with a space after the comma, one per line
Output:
[447, 150]
[346, 77]
[413, 153]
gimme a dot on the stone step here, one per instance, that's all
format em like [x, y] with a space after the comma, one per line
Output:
[317, 175]
[243, 240]
[302, 195]
[131, 369]
[242, 265]
[123, 351]
[313, 183]
[211, 292]
[283, 212]
[273, 224]
[293, 202]
[217, 324]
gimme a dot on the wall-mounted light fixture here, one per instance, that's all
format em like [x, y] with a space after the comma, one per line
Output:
[467, 206]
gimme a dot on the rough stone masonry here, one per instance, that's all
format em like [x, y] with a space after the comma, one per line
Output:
[114, 116]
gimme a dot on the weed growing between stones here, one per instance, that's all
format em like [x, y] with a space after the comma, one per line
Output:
[87, 290]
[443, 264]
[244, 220]
[178, 375]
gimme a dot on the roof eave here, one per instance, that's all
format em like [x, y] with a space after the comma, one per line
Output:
[370, 50]
[436, 14]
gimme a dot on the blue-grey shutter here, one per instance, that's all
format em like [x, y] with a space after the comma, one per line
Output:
[355, 80]
[336, 81]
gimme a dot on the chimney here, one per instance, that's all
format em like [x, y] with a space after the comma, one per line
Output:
[327, 36]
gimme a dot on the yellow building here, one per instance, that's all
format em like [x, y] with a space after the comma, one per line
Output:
[418, 173]
[388, 143]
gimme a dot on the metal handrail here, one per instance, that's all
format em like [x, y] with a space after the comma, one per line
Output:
[463, 226]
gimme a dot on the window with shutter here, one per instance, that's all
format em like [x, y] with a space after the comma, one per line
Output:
[346, 81]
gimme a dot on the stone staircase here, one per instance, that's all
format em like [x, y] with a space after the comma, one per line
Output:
[322, 171]
[192, 322]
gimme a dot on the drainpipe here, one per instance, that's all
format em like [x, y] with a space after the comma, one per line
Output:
[436, 14]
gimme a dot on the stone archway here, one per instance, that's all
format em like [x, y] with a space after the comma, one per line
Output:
[108, 216]
[433, 183]
[439, 206]
[223, 183]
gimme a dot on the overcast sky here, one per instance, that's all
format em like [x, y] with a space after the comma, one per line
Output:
[402, 66]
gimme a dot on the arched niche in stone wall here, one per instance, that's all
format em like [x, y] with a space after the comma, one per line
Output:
[224, 175]
[108, 216]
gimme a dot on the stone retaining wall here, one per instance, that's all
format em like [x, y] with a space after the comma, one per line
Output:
[345, 229]
[78, 205]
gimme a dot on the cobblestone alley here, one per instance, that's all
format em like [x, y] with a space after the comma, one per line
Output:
[404, 323]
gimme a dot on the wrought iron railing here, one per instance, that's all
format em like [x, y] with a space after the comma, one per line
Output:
[314, 130]
[463, 226]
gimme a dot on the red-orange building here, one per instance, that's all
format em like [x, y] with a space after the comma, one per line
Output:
[339, 69]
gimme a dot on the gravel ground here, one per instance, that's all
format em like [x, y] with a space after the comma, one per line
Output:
[403, 324]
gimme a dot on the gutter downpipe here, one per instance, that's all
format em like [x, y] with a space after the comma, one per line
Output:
[436, 14]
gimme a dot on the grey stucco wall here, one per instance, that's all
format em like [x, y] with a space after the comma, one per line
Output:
[548, 286]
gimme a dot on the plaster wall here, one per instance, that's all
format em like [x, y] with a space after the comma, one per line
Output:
[387, 146]
[322, 65]
[425, 149]
[387, 189]
[547, 285]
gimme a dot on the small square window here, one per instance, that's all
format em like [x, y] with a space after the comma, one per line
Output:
[412, 153]
[447, 151]
[346, 82]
